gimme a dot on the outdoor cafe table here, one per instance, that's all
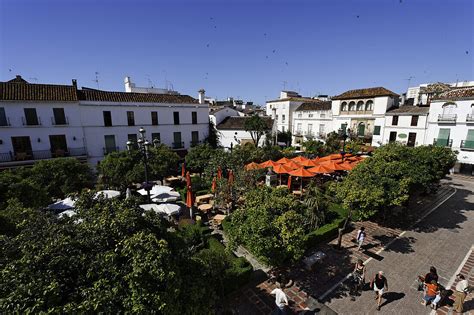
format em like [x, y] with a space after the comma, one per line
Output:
[205, 207]
[203, 198]
[219, 218]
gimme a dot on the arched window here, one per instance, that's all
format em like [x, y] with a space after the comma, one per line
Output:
[352, 106]
[369, 105]
[344, 107]
[360, 105]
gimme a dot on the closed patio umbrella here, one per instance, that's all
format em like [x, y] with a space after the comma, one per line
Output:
[189, 192]
[230, 179]
[183, 169]
[289, 182]
[219, 172]
[214, 184]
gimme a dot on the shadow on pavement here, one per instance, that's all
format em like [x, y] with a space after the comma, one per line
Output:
[391, 297]
[402, 245]
[448, 219]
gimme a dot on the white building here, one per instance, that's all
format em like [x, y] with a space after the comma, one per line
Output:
[283, 109]
[363, 111]
[42, 121]
[406, 124]
[232, 132]
[312, 120]
[451, 124]
[422, 93]
[217, 115]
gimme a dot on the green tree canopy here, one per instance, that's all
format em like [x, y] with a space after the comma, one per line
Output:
[257, 127]
[198, 157]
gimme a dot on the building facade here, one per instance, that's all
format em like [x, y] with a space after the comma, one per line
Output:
[363, 111]
[232, 132]
[407, 125]
[312, 120]
[43, 121]
[451, 124]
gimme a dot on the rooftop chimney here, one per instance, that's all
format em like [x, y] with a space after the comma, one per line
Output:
[202, 95]
[74, 83]
[128, 84]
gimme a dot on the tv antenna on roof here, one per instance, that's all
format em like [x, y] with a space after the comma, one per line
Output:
[284, 85]
[96, 79]
[409, 80]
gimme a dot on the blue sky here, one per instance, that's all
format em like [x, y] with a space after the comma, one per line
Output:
[247, 49]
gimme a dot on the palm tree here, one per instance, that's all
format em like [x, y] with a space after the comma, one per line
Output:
[315, 204]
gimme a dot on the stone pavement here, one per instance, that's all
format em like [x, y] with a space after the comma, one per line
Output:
[466, 269]
[310, 285]
[442, 240]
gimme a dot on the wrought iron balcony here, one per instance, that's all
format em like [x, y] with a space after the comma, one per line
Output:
[448, 118]
[470, 118]
[195, 143]
[467, 145]
[443, 142]
[108, 150]
[59, 122]
[178, 145]
[41, 154]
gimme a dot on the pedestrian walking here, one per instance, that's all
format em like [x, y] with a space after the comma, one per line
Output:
[460, 293]
[360, 237]
[359, 271]
[380, 285]
[281, 300]
[432, 275]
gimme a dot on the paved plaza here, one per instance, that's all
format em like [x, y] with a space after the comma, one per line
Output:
[442, 239]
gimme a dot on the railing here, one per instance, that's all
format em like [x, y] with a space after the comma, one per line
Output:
[195, 143]
[25, 122]
[41, 154]
[108, 150]
[178, 145]
[5, 123]
[55, 122]
[447, 117]
[467, 145]
[470, 117]
[443, 142]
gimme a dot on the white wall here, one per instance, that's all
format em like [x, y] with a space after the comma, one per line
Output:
[226, 138]
[404, 128]
[458, 130]
[318, 118]
[218, 116]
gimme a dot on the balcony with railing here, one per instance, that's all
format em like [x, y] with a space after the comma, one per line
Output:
[60, 122]
[31, 122]
[467, 145]
[195, 143]
[178, 145]
[108, 150]
[41, 155]
[447, 118]
[443, 142]
[5, 122]
[470, 118]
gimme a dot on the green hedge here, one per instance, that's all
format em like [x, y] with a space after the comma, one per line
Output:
[240, 269]
[328, 231]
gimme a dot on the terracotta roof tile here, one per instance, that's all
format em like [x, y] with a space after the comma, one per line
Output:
[365, 93]
[408, 111]
[16, 90]
[457, 93]
[321, 105]
[237, 123]
[126, 97]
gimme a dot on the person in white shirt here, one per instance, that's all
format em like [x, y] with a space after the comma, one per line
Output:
[280, 299]
[360, 237]
[460, 293]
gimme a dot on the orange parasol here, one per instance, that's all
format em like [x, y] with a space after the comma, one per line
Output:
[347, 166]
[214, 185]
[219, 172]
[183, 169]
[299, 159]
[282, 169]
[252, 166]
[283, 160]
[324, 158]
[301, 172]
[268, 163]
[333, 165]
[189, 193]
[289, 182]
[321, 169]
[309, 163]
[293, 165]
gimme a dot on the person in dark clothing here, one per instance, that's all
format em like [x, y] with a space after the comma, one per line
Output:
[432, 275]
[380, 285]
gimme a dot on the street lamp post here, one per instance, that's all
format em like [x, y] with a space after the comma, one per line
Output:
[144, 149]
[343, 134]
